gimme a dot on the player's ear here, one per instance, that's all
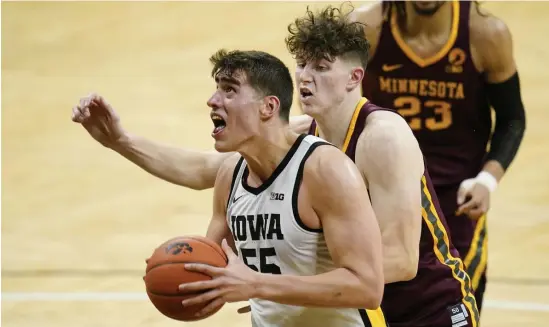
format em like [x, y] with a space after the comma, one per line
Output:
[355, 78]
[270, 107]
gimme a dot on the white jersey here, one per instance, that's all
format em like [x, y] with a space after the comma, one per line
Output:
[271, 238]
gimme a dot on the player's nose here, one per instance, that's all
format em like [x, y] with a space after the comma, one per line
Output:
[304, 75]
[214, 101]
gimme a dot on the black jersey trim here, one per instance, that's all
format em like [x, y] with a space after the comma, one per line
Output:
[233, 181]
[277, 171]
[298, 180]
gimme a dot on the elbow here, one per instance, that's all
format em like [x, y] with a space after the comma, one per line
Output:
[370, 295]
[408, 269]
[407, 265]
[369, 292]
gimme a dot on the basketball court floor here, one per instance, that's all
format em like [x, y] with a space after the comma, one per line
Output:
[78, 220]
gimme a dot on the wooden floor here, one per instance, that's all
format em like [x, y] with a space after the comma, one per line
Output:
[78, 218]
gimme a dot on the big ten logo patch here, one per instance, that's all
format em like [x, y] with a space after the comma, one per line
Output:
[277, 196]
[456, 58]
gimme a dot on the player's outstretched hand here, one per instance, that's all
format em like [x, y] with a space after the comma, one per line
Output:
[473, 199]
[234, 283]
[99, 119]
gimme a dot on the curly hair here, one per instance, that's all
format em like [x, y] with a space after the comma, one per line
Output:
[326, 35]
[265, 73]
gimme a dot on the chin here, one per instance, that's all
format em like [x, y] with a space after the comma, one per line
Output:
[311, 110]
[427, 8]
[221, 146]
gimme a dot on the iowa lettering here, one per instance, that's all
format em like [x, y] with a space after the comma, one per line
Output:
[257, 227]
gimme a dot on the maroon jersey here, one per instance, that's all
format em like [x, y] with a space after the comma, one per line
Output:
[442, 97]
[441, 281]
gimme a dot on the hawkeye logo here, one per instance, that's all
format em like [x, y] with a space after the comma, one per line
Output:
[176, 248]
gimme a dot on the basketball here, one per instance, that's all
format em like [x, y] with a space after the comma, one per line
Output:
[166, 271]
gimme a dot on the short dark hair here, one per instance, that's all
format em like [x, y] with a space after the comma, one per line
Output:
[326, 35]
[264, 72]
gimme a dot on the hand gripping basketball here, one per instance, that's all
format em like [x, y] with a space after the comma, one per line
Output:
[99, 119]
[233, 283]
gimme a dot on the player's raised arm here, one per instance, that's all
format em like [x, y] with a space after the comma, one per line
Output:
[390, 159]
[189, 168]
[334, 187]
[186, 167]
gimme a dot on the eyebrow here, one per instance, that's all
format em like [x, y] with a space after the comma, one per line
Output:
[227, 79]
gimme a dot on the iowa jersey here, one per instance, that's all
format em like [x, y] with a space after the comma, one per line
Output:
[441, 281]
[271, 238]
[442, 97]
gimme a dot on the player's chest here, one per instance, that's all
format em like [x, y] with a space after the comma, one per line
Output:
[260, 217]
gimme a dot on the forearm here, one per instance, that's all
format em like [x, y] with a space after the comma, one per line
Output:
[339, 288]
[505, 98]
[188, 168]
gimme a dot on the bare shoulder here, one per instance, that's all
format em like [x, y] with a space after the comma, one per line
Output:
[226, 171]
[328, 166]
[387, 141]
[486, 27]
[371, 15]
[491, 40]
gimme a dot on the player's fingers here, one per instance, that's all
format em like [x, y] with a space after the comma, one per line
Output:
[210, 307]
[203, 268]
[461, 196]
[199, 286]
[475, 213]
[467, 206]
[228, 250]
[464, 190]
[245, 309]
[103, 104]
[75, 114]
[201, 298]
[79, 114]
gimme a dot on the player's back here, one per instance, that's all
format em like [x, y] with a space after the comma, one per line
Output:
[441, 97]
[441, 281]
[271, 238]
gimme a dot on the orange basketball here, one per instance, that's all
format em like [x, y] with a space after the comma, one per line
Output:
[166, 271]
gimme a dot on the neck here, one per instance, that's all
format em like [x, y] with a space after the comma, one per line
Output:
[264, 153]
[441, 21]
[333, 124]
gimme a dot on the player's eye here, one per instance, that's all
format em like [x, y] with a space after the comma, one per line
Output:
[321, 68]
[228, 89]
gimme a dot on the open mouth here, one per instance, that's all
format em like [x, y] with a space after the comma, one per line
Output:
[305, 93]
[219, 123]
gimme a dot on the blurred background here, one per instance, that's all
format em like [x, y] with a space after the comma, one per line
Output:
[78, 220]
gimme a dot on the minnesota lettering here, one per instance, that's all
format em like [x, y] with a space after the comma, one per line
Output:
[422, 87]
[256, 227]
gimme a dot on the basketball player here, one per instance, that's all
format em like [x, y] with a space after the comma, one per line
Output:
[442, 65]
[426, 284]
[293, 204]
